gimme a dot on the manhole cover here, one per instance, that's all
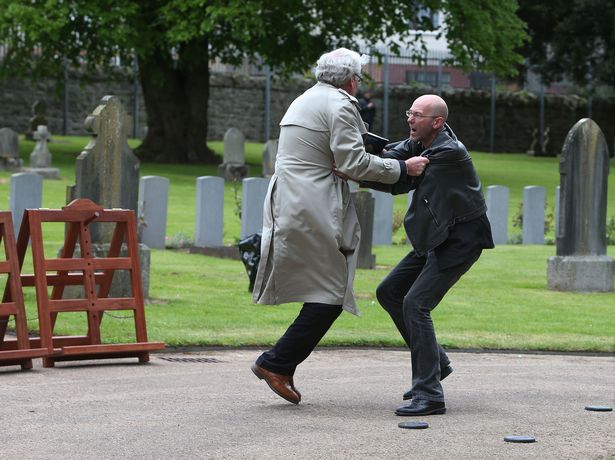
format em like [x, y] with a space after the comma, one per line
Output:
[174, 359]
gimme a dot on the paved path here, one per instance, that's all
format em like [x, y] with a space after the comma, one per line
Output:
[218, 410]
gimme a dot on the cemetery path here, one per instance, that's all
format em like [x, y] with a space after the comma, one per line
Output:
[208, 404]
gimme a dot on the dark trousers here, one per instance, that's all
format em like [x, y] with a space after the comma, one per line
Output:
[300, 339]
[409, 293]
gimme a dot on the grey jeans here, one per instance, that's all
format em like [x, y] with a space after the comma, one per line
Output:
[409, 293]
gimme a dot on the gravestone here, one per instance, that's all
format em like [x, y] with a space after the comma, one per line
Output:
[270, 153]
[107, 172]
[209, 212]
[581, 263]
[40, 158]
[497, 212]
[533, 215]
[383, 218]
[364, 205]
[26, 193]
[38, 118]
[9, 150]
[556, 209]
[233, 167]
[254, 190]
[152, 218]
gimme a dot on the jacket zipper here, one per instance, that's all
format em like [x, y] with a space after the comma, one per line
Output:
[433, 216]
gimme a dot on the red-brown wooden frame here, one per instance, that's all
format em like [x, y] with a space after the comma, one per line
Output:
[14, 351]
[93, 271]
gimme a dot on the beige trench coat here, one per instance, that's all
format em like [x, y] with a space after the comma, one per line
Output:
[311, 233]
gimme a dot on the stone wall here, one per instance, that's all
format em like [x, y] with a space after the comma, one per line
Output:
[238, 101]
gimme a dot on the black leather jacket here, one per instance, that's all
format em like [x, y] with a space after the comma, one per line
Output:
[448, 192]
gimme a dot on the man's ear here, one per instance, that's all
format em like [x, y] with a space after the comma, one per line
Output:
[438, 122]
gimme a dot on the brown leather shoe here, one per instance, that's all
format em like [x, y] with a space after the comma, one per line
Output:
[292, 385]
[279, 384]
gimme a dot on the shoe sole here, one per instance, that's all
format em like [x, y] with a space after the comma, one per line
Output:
[262, 377]
[419, 414]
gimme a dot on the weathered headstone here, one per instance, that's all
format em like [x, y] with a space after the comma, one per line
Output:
[556, 209]
[38, 118]
[533, 215]
[581, 263]
[9, 150]
[270, 153]
[40, 158]
[254, 190]
[233, 167]
[26, 193]
[209, 212]
[383, 218]
[107, 172]
[364, 205]
[497, 212]
[153, 202]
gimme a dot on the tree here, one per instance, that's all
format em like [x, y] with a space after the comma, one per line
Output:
[571, 39]
[174, 41]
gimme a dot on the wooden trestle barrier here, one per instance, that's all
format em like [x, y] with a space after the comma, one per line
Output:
[14, 351]
[87, 271]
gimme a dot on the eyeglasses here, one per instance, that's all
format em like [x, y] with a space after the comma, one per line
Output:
[410, 113]
[359, 79]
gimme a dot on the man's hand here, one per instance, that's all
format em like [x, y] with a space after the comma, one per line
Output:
[416, 165]
[341, 175]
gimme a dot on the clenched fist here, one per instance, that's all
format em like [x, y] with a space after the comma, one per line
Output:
[416, 165]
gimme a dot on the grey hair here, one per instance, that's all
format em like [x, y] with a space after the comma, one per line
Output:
[338, 66]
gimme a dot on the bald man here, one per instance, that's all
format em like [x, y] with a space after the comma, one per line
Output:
[448, 229]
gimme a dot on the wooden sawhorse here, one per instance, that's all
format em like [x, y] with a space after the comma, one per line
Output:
[14, 351]
[94, 274]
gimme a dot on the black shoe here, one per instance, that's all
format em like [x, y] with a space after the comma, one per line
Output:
[444, 372]
[422, 407]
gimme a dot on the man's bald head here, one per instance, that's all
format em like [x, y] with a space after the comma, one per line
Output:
[434, 103]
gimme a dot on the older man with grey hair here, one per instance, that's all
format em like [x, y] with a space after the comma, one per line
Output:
[310, 229]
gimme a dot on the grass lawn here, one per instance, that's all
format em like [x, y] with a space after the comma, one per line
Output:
[502, 303]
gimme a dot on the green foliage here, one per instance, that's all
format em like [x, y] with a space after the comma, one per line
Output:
[610, 230]
[571, 38]
[287, 35]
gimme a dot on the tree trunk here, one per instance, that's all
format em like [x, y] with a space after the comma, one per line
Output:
[176, 95]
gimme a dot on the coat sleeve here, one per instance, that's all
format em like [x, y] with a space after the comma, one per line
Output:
[349, 152]
[398, 151]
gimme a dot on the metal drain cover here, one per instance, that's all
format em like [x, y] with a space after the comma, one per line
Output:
[174, 359]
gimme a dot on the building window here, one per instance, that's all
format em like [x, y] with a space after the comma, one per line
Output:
[426, 19]
[428, 77]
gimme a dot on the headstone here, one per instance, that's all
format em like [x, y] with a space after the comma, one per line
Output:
[38, 118]
[581, 263]
[364, 204]
[9, 150]
[26, 193]
[252, 199]
[209, 211]
[383, 218]
[270, 153]
[233, 167]
[533, 215]
[40, 158]
[153, 202]
[107, 172]
[497, 212]
[556, 209]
